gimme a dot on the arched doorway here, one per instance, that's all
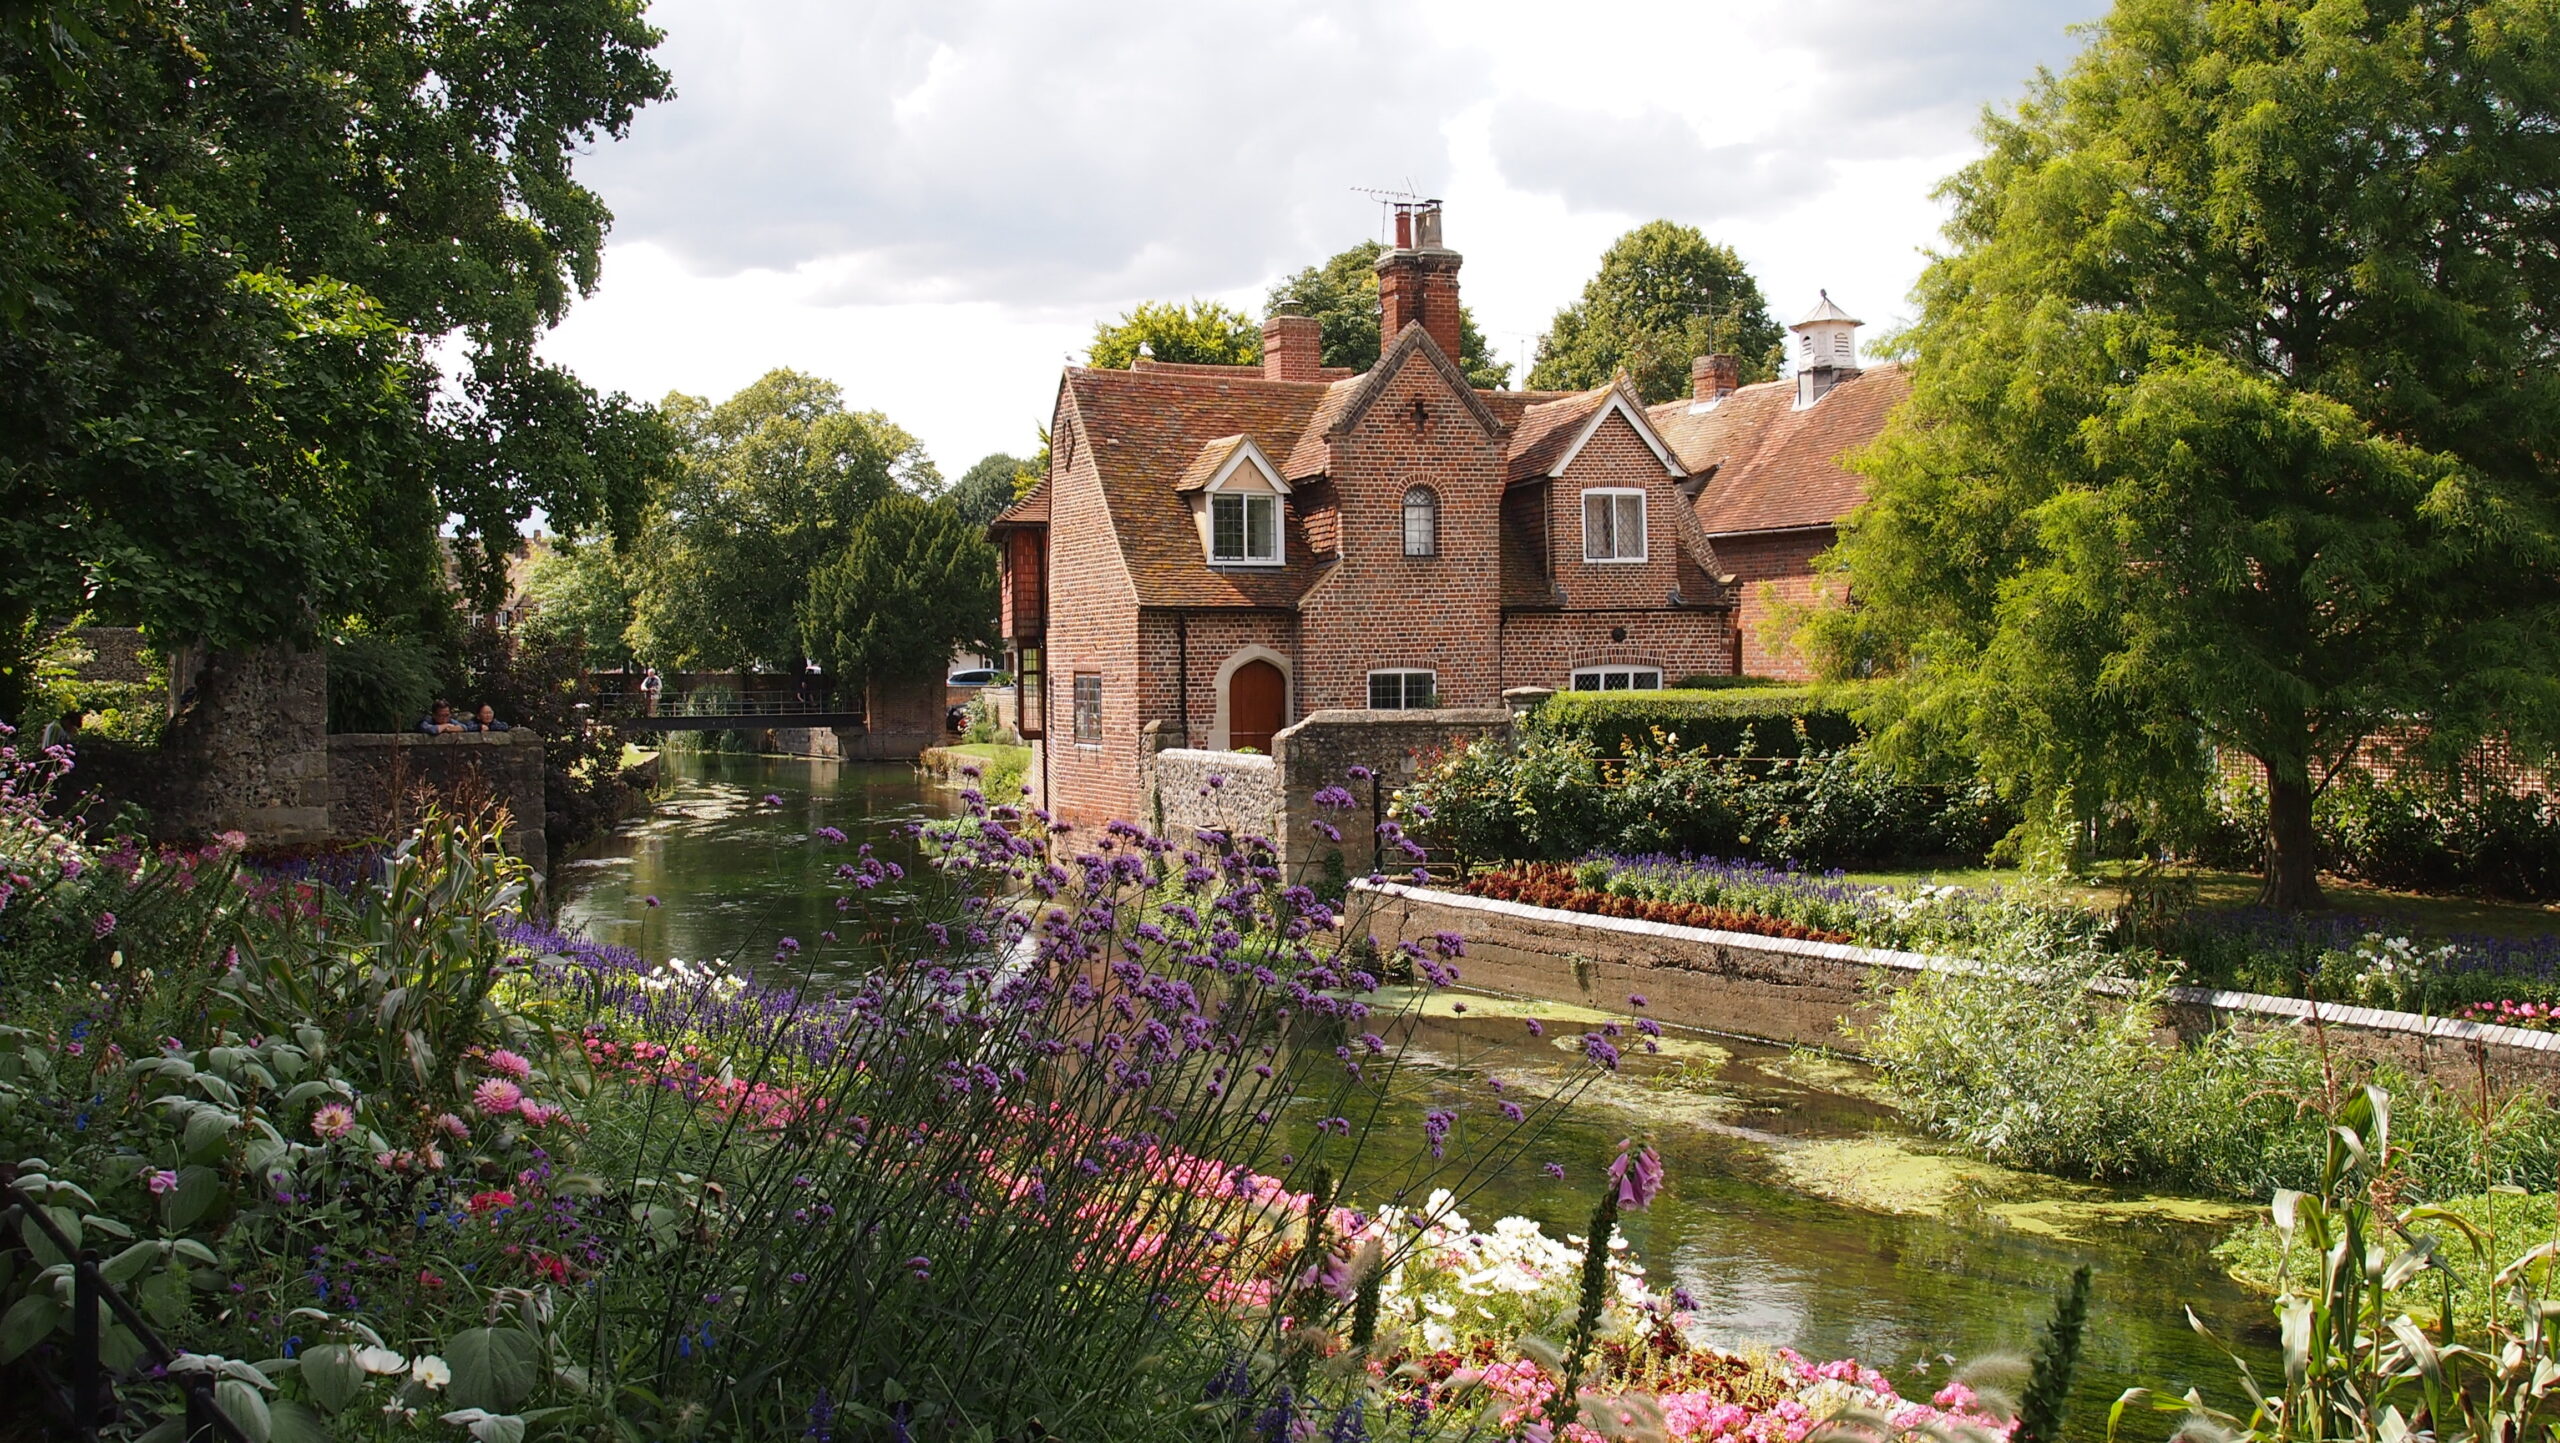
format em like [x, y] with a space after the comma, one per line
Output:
[1257, 705]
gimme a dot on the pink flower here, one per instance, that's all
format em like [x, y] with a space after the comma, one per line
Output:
[1638, 1175]
[535, 1112]
[496, 1095]
[451, 1125]
[104, 926]
[333, 1120]
[161, 1180]
[510, 1064]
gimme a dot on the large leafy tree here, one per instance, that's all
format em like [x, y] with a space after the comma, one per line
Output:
[1342, 295]
[584, 596]
[915, 583]
[2236, 420]
[234, 240]
[1208, 333]
[986, 489]
[769, 487]
[1664, 295]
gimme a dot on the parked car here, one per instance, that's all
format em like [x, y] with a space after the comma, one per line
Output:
[975, 676]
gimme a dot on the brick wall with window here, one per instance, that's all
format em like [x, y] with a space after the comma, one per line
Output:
[1092, 632]
[1381, 608]
[1615, 460]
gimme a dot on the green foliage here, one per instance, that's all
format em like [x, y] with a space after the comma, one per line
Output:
[2257, 1254]
[1342, 295]
[1197, 332]
[2029, 1067]
[585, 596]
[1761, 721]
[1765, 774]
[2430, 837]
[536, 683]
[381, 683]
[914, 583]
[1664, 295]
[986, 489]
[770, 486]
[2210, 439]
[2040, 1409]
[2358, 1368]
[235, 239]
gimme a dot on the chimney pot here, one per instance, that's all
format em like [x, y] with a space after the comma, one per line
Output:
[1712, 378]
[1404, 229]
[1420, 284]
[1292, 349]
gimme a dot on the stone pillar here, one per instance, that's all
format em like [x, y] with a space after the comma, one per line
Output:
[247, 748]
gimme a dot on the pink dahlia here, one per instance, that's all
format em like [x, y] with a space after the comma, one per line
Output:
[496, 1095]
[333, 1120]
[510, 1064]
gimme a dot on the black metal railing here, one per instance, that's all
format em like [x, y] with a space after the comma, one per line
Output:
[90, 1403]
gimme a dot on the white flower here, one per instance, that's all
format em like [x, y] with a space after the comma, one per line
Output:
[380, 1360]
[431, 1371]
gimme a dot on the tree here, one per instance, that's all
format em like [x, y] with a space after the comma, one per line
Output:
[986, 489]
[768, 488]
[1342, 295]
[2235, 419]
[1207, 333]
[916, 583]
[1664, 295]
[584, 595]
[233, 239]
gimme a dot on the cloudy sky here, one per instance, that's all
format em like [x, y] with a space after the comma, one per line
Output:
[931, 203]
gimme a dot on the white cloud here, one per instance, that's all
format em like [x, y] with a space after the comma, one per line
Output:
[931, 203]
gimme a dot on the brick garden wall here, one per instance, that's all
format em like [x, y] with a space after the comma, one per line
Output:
[1320, 752]
[1193, 790]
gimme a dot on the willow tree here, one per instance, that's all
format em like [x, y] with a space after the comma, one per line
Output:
[2235, 415]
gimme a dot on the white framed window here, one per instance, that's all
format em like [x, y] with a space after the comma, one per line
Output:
[1619, 678]
[1088, 708]
[1421, 522]
[1613, 524]
[1403, 690]
[1244, 528]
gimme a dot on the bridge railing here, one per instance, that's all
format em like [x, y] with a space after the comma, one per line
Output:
[744, 708]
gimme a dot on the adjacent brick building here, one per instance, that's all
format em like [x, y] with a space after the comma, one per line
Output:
[1220, 550]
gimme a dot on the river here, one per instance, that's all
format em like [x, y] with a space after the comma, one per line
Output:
[1799, 1209]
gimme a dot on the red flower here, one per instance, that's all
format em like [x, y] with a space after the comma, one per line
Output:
[482, 1202]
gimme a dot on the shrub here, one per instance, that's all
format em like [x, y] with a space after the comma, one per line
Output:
[379, 682]
[1722, 721]
[2412, 834]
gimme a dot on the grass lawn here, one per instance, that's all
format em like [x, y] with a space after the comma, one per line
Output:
[989, 751]
[633, 756]
[2228, 891]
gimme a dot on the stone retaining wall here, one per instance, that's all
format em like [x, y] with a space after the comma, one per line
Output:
[1807, 992]
[379, 782]
[1192, 790]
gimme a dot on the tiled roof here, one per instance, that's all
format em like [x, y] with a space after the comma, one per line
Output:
[1777, 468]
[1212, 457]
[1031, 510]
[1146, 429]
[1539, 439]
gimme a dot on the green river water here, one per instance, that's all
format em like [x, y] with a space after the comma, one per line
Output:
[1799, 1209]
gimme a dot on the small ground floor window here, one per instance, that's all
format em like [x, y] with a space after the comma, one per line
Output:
[1089, 708]
[1403, 690]
[1619, 678]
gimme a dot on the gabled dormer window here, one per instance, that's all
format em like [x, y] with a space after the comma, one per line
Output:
[1244, 528]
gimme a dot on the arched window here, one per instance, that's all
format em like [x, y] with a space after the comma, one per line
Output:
[1421, 522]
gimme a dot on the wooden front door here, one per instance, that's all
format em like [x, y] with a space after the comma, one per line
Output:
[1257, 706]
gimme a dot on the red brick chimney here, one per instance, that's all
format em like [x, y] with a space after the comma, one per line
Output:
[1712, 378]
[1418, 280]
[1292, 349]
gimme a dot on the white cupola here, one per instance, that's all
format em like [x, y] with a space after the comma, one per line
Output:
[1826, 349]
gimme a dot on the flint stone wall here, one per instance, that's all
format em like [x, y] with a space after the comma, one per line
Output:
[1816, 993]
[378, 781]
[1191, 790]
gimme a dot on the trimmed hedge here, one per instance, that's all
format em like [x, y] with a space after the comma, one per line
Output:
[1724, 721]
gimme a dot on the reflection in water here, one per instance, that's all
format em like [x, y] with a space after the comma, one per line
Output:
[1937, 1259]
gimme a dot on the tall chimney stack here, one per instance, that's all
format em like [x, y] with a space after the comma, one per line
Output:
[1418, 280]
[1292, 349]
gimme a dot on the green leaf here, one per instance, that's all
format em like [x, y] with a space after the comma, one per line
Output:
[164, 1297]
[296, 1422]
[125, 1266]
[197, 1190]
[26, 1323]
[194, 1251]
[333, 1374]
[493, 1368]
[41, 1245]
[246, 1407]
[108, 1226]
[207, 1130]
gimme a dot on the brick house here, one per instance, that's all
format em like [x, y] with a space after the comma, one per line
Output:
[1220, 550]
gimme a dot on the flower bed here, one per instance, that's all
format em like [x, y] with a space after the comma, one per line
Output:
[1553, 884]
